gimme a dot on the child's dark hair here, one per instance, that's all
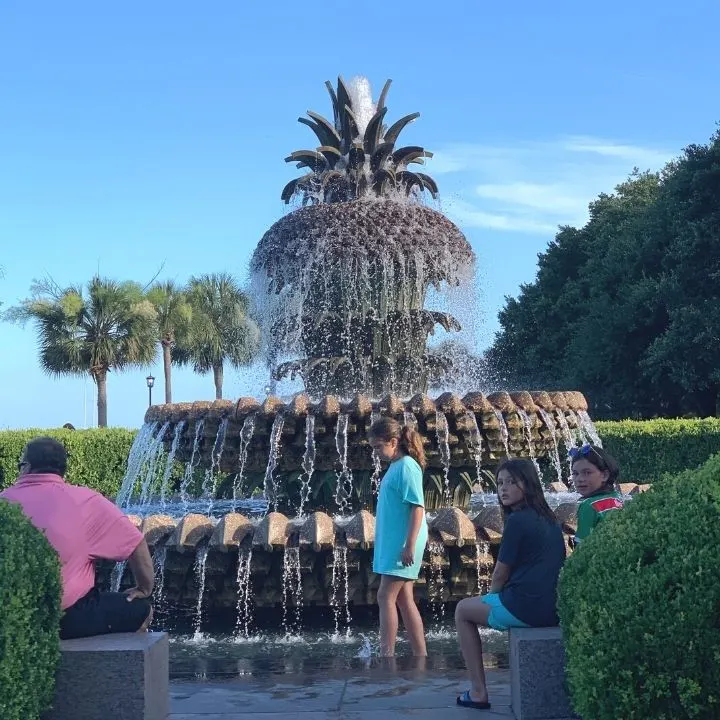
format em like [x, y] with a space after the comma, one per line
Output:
[601, 459]
[410, 441]
[524, 472]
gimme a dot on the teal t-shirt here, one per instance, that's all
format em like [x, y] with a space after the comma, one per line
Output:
[400, 490]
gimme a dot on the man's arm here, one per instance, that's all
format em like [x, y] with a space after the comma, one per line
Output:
[141, 566]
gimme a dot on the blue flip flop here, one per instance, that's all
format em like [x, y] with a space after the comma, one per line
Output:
[465, 700]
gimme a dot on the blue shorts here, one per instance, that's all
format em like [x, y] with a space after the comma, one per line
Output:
[500, 617]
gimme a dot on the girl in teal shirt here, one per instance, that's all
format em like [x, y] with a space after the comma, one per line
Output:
[400, 532]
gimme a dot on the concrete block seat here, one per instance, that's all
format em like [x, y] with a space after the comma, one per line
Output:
[537, 674]
[123, 676]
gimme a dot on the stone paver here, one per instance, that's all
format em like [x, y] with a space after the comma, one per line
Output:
[371, 697]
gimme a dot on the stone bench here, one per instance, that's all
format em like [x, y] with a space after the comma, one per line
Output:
[124, 676]
[537, 674]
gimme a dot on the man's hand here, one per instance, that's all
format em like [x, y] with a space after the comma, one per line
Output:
[408, 556]
[136, 593]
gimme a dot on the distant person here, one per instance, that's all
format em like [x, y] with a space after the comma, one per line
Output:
[68, 426]
[83, 527]
[400, 532]
[524, 583]
[594, 474]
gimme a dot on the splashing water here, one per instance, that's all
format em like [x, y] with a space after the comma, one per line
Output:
[527, 427]
[165, 484]
[292, 592]
[270, 488]
[363, 106]
[504, 434]
[589, 427]
[200, 576]
[209, 488]
[243, 624]
[117, 575]
[138, 453]
[482, 552]
[475, 443]
[159, 558]
[340, 598]
[555, 456]
[246, 434]
[443, 439]
[190, 467]
[344, 486]
[154, 453]
[435, 583]
[410, 420]
[308, 463]
[377, 465]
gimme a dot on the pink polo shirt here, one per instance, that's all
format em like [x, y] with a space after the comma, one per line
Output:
[79, 523]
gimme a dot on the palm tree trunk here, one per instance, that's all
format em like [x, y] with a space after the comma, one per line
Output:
[100, 378]
[218, 377]
[167, 367]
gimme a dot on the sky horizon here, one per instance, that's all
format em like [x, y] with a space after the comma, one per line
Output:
[140, 139]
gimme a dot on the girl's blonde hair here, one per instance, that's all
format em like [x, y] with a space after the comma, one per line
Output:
[409, 439]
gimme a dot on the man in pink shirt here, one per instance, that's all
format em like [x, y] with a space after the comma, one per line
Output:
[83, 527]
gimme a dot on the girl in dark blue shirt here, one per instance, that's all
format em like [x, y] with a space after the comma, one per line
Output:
[524, 583]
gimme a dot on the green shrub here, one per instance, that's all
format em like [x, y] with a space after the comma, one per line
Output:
[639, 604]
[30, 617]
[96, 458]
[648, 449]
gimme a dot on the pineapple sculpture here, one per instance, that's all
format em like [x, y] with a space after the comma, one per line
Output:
[344, 278]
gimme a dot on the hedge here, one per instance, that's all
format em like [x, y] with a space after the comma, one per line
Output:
[96, 458]
[639, 604]
[646, 450]
[30, 598]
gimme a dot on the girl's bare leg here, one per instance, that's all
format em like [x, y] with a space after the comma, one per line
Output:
[469, 614]
[411, 619]
[387, 595]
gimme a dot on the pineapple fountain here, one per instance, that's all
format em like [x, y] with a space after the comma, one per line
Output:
[269, 503]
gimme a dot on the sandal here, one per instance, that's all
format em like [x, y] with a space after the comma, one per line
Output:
[465, 700]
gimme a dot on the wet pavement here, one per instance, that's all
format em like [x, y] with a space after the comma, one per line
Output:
[377, 694]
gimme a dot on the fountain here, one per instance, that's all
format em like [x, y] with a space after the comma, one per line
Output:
[253, 504]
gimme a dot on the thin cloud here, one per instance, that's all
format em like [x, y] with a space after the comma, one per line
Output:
[534, 187]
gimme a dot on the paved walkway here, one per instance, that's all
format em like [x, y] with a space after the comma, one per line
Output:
[375, 696]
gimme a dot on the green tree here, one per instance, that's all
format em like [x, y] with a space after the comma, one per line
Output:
[109, 327]
[220, 329]
[173, 321]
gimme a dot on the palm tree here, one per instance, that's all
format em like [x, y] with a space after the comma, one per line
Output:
[173, 321]
[220, 329]
[110, 327]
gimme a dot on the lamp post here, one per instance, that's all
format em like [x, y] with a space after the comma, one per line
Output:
[150, 382]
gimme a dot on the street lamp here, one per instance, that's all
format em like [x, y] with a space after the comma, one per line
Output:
[150, 380]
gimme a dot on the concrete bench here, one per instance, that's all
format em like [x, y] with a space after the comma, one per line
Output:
[537, 674]
[124, 676]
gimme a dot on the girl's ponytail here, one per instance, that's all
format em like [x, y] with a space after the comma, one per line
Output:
[412, 445]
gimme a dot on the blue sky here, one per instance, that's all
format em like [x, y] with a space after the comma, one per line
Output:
[135, 136]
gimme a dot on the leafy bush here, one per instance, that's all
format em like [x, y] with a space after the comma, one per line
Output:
[639, 604]
[96, 458]
[648, 449]
[30, 595]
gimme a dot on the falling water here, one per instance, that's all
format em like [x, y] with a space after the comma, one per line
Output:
[243, 624]
[292, 591]
[567, 434]
[527, 426]
[475, 443]
[308, 463]
[581, 437]
[165, 484]
[190, 467]
[377, 465]
[270, 489]
[503, 431]
[443, 441]
[117, 575]
[344, 486]
[435, 583]
[159, 558]
[410, 420]
[482, 550]
[555, 457]
[154, 454]
[340, 598]
[209, 487]
[200, 573]
[136, 459]
[246, 434]
[589, 426]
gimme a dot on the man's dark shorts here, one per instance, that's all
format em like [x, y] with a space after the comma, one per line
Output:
[100, 613]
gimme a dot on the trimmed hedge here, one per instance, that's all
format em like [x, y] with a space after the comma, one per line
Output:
[30, 598]
[648, 449]
[96, 458]
[639, 604]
